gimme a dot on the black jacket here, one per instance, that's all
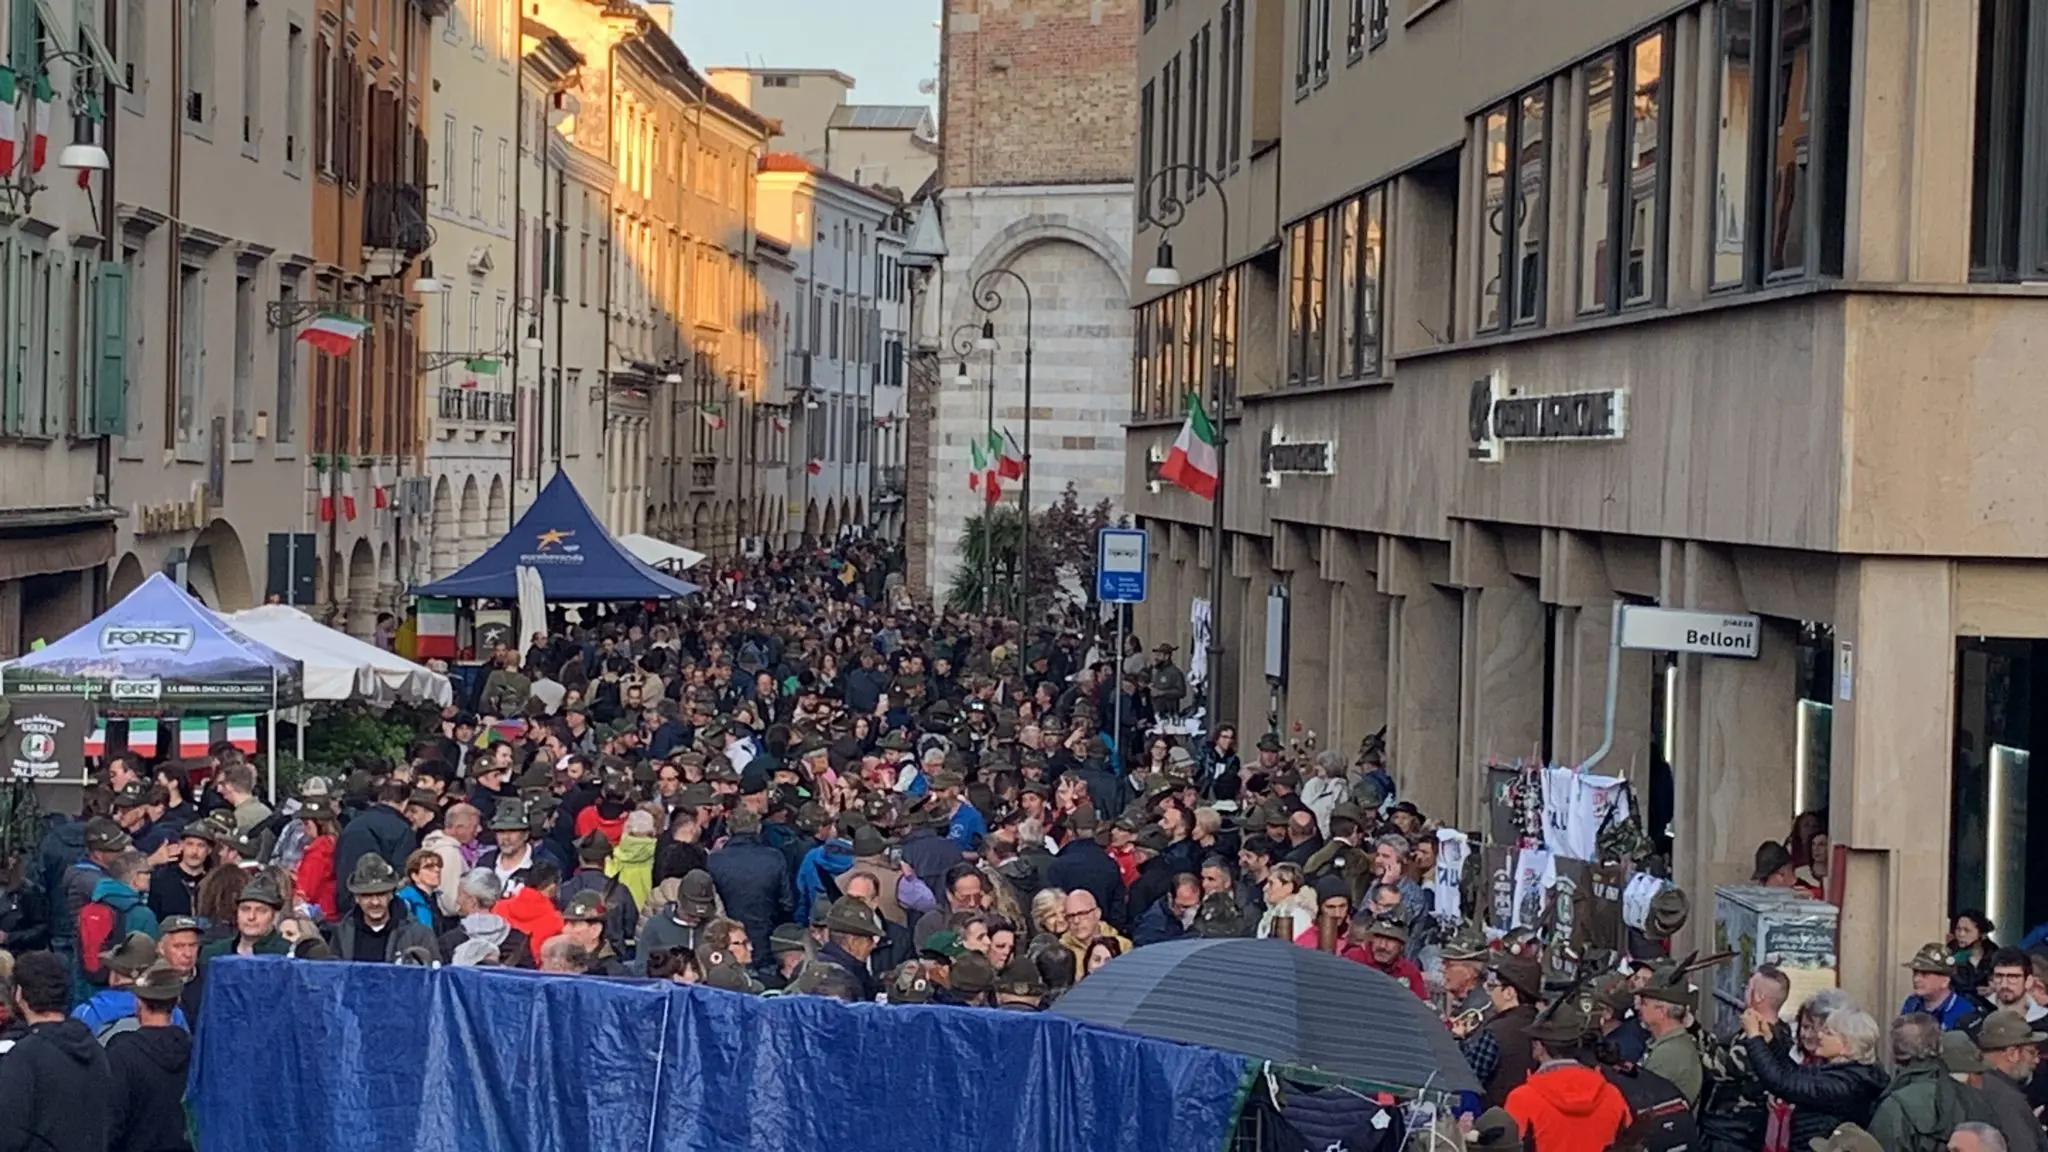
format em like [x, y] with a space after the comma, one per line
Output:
[381, 829]
[930, 855]
[147, 1106]
[54, 1088]
[173, 891]
[1086, 865]
[752, 877]
[1157, 923]
[1155, 879]
[1822, 1096]
[833, 954]
[353, 940]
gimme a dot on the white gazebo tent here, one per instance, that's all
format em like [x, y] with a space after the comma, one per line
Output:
[339, 666]
[661, 553]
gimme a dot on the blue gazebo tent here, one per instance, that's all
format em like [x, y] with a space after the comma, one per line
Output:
[577, 560]
[158, 652]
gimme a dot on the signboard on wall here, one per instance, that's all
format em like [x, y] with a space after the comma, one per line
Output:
[1497, 416]
[1678, 630]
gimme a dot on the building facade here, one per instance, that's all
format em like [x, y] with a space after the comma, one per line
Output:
[653, 361]
[892, 146]
[1037, 114]
[1601, 318]
[470, 362]
[845, 242]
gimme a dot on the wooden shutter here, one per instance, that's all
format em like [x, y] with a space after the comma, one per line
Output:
[12, 413]
[111, 335]
[58, 302]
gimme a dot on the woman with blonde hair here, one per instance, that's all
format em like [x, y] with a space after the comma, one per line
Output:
[1287, 895]
[1048, 915]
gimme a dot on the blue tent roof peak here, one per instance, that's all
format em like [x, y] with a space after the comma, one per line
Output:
[560, 538]
[158, 630]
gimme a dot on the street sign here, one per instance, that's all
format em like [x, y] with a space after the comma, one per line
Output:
[1122, 565]
[1677, 630]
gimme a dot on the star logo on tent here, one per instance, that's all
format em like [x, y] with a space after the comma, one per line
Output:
[552, 537]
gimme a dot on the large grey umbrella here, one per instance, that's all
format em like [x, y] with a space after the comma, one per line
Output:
[1272, 1000]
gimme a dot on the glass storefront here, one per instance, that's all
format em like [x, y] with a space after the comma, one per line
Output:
[2000, 704]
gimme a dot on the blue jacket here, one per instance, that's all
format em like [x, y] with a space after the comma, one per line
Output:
[967, 828]
[752, 878]
[110, 1004]
[1949, 1013]
[1158, 924]
[832, 858]
[128, 904]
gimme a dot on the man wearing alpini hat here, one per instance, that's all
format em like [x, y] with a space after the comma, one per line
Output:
[1933, 975]
[378, 929]
[1565, 1103]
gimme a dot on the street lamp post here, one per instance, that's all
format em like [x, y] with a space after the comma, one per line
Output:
[1164, 210]
[966, 340]
[988, 298]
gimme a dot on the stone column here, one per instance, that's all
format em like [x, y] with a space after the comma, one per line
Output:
[1305, 700]
[1894, 742]
[1503, 681]
[1426, 623]
[1247, 658]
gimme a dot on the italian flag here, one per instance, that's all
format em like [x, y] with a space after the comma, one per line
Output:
[347, 493]
[983, 478]
[39, 153]
[333, 333]
[96, 740]
[814, 466]
[714, 415]
[780, 424]
[1009, 466]
[242, 732]
[435, 632]
[10, 121]
[1192, 462]
[194, 734]
[142, 737]
[326, 478]
[478, 369]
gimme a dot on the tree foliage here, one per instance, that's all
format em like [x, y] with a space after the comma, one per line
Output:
[1062, 556]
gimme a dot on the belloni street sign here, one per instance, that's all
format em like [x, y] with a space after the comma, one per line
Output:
[1678, 630]
[1122, 565]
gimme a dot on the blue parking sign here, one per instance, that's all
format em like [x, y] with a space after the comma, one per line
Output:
[1123, 560]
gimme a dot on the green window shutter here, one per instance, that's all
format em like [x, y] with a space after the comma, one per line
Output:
[24, 28]
[111, 332]
[56, 289]
[20, 317]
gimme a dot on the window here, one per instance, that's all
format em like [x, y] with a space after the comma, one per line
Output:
[1304, 44]
[294, 96]
[1361, 237]
[241, 423]
[1515, 206]
[28, 407]
[476, 173]
[1170, 114]
[135, 50]
[1376, 24]
[252, 73]
[133, 269]
[1354, 31]
[1146, 129]
[504, 183]
[447, 175]
[1198, 107]
[198, 63]
[191, 384]
[285, 408]
[1780, 194]
[1308, 262]
[1625, 202]
[323, 89]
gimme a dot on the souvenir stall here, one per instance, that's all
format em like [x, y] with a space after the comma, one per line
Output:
[158, 658]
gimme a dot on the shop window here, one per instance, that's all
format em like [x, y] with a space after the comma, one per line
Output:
[1781, 142]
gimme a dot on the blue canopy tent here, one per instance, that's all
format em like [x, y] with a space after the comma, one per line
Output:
[157, 654]
[577, 560]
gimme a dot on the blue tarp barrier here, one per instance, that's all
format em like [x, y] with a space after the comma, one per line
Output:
[336, 1057]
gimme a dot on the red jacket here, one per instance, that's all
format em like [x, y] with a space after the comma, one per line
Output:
[530, 911]
[590, 820]
[315, 877]
[1402, 969]
[1565, 1107]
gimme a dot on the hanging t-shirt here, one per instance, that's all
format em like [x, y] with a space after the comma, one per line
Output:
[1600, 927]
[1535, 875]
[1575, 806]
[1635, 899]
[1447, 889]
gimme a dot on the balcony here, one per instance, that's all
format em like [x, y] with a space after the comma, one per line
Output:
[476, 406]
[395, 222]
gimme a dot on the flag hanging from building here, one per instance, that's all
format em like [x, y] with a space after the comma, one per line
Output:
[96, 740]
[436, 630]
[333, 333]
[325, 477]
[241, 732]
[980, 465]
[1192, 462]
[195, 733]
[39, 152]
[780, 424]
[814, 466]
[142, 735]
[10, 122]
[346, 491]
[714, 415]
[1009, 457]
[476, 371]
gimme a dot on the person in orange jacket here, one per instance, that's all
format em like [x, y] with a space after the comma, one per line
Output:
[314, 878]
[530, 907]
[1566, 1104]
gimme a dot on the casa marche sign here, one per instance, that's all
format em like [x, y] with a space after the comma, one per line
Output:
[1279, 457]
[1496, 419]
[1678, 630]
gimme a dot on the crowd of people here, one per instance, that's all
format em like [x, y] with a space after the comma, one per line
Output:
[796, 785]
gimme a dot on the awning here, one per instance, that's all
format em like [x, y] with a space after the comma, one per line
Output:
[339, 666]
[661, 553]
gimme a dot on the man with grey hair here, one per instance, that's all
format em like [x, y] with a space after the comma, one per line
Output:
[1975, 1137]
[2010, 1049]
[1924, 1104]
[481, 936]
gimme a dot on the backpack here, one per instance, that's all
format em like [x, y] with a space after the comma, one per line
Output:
[1662, 1120]
[97, 923]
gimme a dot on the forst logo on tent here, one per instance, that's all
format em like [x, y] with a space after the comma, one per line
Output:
[127, 637]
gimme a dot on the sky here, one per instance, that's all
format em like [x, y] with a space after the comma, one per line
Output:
[887, 46]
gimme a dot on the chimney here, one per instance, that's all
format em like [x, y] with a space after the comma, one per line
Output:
[663, 13]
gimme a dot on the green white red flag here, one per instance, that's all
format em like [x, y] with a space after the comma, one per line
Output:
[1192, 462]
[333, 333]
